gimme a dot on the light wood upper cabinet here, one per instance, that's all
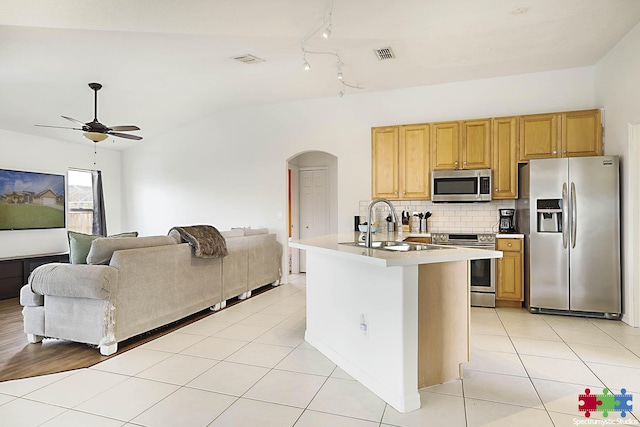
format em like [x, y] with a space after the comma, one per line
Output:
[414, 162]
[402, 157]
[461, 145]
[582, 133]
[510, 271]
[476, 144]
[400, 162]
[504, 165]
[445, 140]
[570, 134]
[384, 162]
[539, 135]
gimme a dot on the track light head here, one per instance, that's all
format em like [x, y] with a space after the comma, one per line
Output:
[340, 77]
[327, 32]
[341, 93]
[306, 65]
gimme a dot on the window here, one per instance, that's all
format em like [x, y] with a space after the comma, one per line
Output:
[80, 196]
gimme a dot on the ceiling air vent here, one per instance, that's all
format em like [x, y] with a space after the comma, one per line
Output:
[384, 53]
[248, 59]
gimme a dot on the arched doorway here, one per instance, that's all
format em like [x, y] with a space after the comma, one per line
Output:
[312, 201]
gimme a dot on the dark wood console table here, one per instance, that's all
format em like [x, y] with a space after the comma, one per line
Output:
[14, 272]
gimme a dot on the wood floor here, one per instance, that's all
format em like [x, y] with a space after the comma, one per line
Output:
[19, 359]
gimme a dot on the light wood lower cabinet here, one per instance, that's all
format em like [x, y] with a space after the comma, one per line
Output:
[418, 239]
[510, 272]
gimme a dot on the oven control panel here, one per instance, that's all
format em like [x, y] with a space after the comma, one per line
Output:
[459, 239]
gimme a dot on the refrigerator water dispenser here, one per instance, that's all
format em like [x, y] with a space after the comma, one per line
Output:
[549, 212]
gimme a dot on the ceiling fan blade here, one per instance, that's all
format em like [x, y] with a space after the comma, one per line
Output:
[73, 120]
[124, 128]
[125, 135]
[57, 127]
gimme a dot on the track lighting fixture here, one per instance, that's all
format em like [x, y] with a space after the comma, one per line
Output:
[305, 64]
[327, 32]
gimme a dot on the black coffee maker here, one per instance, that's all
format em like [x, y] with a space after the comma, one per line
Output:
[506, 223]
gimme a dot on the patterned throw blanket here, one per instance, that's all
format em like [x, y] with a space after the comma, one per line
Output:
[205, 239]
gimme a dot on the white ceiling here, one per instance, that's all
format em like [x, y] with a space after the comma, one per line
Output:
[164, 63]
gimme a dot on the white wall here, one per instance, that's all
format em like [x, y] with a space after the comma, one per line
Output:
[29, 153]
[229, 169]
[618, 91]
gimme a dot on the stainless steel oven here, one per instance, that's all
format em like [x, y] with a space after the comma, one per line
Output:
[483, 271]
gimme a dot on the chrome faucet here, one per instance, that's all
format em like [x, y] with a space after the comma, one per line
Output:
[367, 240]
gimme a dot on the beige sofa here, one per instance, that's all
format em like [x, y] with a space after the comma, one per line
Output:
[134, 285]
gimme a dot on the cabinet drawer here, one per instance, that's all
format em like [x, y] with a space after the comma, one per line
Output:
[10, 269]
[514, 245]
[426, 240]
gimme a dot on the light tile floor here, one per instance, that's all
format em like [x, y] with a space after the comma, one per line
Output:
[249, 365]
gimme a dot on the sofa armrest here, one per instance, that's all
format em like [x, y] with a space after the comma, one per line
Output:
[28, 298]
[74, 280]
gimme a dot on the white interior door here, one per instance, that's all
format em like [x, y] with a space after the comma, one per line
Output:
[314, 206]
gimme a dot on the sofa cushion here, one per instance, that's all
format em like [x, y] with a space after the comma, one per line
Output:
[102, 249]
[255, 231]
[80, 244]
[236, 232]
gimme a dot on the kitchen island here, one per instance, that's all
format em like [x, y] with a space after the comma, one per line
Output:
[396, 321]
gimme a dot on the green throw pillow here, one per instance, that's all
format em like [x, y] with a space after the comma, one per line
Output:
[80, 244]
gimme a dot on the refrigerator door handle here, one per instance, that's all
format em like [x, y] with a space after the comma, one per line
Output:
[574, 215]
[565, 215]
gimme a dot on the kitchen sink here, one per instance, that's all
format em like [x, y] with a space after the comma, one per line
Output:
[391, 245]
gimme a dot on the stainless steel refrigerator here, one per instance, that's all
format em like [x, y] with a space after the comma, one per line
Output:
[569, 211]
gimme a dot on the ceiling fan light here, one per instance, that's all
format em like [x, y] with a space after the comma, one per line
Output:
[95, 136]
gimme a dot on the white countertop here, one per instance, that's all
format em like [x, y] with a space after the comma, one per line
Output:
[329, 244]
[509, 236]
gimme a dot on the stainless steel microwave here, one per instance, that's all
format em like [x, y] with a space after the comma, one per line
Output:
[461, 185]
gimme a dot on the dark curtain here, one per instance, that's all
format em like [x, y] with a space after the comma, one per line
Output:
[99, 216]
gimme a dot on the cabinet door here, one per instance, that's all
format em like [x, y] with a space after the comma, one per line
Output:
[444, 145]
[510, 278]
[539, 136]
[476, 144]
[414, 162]
[504, 166]
[384, 162]
[581, 133]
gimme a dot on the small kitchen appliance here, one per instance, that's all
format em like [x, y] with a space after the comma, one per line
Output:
[466, 185]
[506, 224]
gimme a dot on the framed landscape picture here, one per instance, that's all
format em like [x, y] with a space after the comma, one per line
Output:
[31, 200]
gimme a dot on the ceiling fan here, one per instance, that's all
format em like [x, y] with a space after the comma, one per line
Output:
[96, 131]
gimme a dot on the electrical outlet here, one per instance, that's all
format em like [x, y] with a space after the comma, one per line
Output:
[364, 328]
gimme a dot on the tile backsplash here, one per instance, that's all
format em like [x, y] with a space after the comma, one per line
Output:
[446, 217]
